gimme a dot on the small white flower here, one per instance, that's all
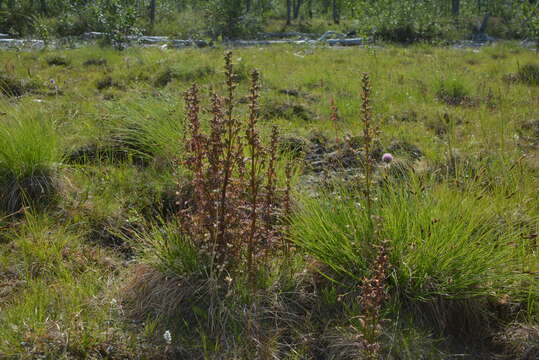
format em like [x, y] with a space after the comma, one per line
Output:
[167, 337]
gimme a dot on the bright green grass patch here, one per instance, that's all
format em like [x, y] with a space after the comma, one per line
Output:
[30, 153]
[58, 294]
[444, 242]
[467, 236]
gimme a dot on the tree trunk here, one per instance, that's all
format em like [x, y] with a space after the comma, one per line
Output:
[288, 12]
[153, 7]
[296, 8]
[43, 6]
[310, 9]
[11, 4]
[455, 7]
[336, 12]
[248, 5]
[484, 24]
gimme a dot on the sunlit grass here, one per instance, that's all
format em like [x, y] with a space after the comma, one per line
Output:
[462, 225]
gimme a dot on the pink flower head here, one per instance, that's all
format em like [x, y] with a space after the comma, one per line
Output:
[387, 158]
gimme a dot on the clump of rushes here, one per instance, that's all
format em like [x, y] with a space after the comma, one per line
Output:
[29, 155]
[233, 216]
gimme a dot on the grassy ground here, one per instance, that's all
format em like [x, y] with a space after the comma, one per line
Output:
[88, 269]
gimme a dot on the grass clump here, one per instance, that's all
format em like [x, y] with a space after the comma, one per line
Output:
[29, 157]
[187, 75]
[443, 244]
[58, 61]
[108, 82]
[452, 91]
[54, 300]
[13, 87]
[95, 62]
[529, 74]
[148, 130]
[206, 316]
[289, 111]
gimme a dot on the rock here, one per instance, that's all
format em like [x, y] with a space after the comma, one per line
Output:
[18, 43]
[405, 148]
[482, 38]
[187, 43]
[92, 35]
[346, 42]
[180, 43]
[284, 35]
[201, 43]
[331, 34]
[152, 39]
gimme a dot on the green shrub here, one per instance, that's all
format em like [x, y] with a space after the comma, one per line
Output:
[29, 156]
[407, 21]
[229, 19]
[117, 19]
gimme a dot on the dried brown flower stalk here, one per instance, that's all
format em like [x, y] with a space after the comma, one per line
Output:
[232, 216]
[334, 117]
[372, 297]
[369, 134]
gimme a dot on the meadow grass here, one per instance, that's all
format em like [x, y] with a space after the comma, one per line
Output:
[29, 159]
[458, 205]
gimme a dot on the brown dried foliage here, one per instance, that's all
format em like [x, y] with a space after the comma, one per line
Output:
[370, 132]
[234, 214]
[372, 297]
[334, 117]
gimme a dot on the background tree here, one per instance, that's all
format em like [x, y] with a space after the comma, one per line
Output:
[288, 12]
[455, 7]
[153, 8]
